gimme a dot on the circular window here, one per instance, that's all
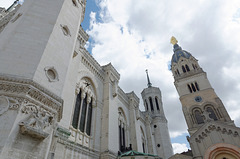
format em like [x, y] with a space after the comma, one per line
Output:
[51, 74]
[155, 126]
[158, 145]
[65, 30]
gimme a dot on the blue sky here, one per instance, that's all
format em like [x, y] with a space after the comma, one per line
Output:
[134, 36]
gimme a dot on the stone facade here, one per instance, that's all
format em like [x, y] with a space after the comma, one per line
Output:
[213, 135]
[56, 101]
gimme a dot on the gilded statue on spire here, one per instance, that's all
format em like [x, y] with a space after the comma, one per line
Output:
[174, 40]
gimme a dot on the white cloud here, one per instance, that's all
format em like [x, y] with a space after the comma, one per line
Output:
[6, 3]
[179, 148]
[134, 35]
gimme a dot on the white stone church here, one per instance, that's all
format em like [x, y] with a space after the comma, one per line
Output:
[57, 102]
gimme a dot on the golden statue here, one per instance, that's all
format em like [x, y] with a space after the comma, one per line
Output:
[173, 40]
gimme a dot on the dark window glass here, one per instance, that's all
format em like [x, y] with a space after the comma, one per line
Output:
[193, 66]
[198, 117]
[157, 103]
[83, 114]
[178, 72]
[76, 111]
[187, 68]
[143, 147]
[183, 69]
[196, 86]
[123, 134]
[193, 87]
[120, 137]
[190, 89]
[212, 115]
[151, 103]
[89, 119]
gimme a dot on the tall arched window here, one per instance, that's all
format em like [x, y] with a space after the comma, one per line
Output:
[89, 119]
[183, 69]
[156, 100]
[76, 111]
[143, 140]
[193, 87]
[196, 86]
[122, 129]
[189, 88]
[198, 116]
[178, 72]
[151, 103]
[146, 104]
[187, 68]
[193, 66]
[82, 116]
[212, 115]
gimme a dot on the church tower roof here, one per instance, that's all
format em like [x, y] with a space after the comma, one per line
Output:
[178, 52]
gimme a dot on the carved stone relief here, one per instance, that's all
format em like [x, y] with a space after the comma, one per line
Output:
[8, 103]
[38, 119]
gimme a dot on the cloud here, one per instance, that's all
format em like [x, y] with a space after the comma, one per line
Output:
[179, 148]
[134, 35]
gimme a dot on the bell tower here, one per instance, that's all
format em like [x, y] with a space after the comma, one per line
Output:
[207, 119]
[157, 128]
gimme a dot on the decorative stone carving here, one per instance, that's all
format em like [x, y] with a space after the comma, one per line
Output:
[8, 103]
[36, 122]
[4, 104]
[51, 74]
[65, 30]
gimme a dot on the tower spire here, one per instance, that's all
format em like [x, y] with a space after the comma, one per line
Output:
[149, 83]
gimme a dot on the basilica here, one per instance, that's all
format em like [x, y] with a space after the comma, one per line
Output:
[58, 102]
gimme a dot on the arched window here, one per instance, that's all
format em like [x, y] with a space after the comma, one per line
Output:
[189, 88]
[183, 69]
[212, 115]
[193, 66]
[76, 111]
[151, 103]
[122, 129]
[198, 116]
[187, 68]
[196, 86]
[82, 116]
[178, 72]
[89, 118]
[143, 140]
[193, 87]
[146, 104]
[156, 100]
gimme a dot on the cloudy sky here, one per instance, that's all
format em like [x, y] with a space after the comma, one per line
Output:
[134, 35]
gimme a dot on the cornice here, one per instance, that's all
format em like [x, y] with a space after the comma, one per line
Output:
[27, 87]
[88, 60]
